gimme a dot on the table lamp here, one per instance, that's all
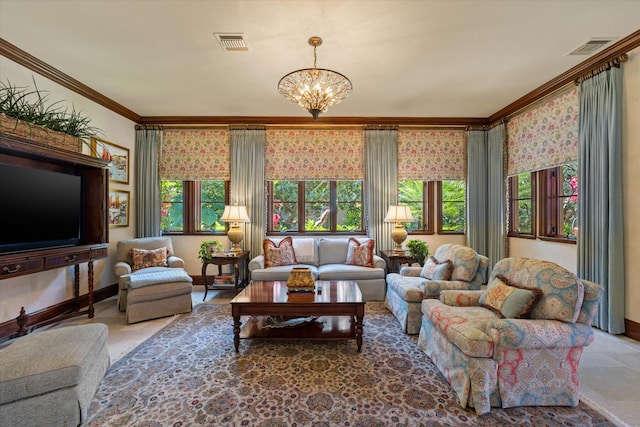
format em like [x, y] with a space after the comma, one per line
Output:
[235, 215]
[398, 215]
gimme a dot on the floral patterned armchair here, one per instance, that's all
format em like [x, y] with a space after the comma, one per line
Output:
[406, 290]
[507, 362]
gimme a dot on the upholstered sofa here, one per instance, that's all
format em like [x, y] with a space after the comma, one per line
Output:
[326, 258]
[407, 289]
[528, 360]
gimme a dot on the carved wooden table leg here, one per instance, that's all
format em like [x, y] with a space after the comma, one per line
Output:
[90, 275]
[236, 331]
[76, 287]
[359, 328]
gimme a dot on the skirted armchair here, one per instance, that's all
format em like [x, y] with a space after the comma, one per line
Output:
[152, 282]
[519, 342]
[452, 267]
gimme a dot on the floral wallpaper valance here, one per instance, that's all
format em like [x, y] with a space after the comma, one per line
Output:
[304, 154]
[545, 136]
[431, 155]
[195, 154]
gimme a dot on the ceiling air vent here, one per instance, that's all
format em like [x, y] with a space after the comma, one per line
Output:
[232, 42]
[591, 46]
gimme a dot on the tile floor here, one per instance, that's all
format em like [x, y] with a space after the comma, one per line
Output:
[609, 367]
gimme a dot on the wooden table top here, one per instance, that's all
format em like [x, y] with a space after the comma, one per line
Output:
[333, 291]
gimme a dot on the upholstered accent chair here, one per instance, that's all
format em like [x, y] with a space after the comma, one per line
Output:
[405, 290]
[529, 359]
[152, 282]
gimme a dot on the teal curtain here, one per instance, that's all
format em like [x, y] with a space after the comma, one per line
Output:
[147, 196]
[381, 183]
[600, 221]
[486, 193]
[477, 163]
[496, 194]
[247, 183]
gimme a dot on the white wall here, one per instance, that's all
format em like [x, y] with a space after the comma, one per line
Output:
[38, 291]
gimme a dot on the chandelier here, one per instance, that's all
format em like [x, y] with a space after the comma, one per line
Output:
[315, 89]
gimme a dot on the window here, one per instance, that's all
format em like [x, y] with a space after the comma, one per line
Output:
[451, 207]
[315, 206]
[418, 195]
[559, 202]
[193, 206]
[522, 206]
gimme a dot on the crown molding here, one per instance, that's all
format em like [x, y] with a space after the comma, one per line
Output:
[624, 45]
[29, 61]
[308, 121]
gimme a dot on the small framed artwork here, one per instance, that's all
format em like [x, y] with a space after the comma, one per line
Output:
[118, 209]
[117, 155]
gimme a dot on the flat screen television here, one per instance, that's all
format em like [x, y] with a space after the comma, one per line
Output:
[39, 209]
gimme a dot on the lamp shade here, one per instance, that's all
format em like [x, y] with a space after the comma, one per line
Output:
[235, 214]
[399, 214]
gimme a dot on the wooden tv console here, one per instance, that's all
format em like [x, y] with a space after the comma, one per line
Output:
[93, 244]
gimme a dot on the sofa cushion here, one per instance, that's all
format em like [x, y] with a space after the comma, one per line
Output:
[278, 254]
[508, 301]
[306, 250]
[436, 270]
[464, 261]
[348, 272]
[281, 273]
[144, 258]
[463, 326]
[408, 288]
[332, 251]
[360, 253]
[562, 291]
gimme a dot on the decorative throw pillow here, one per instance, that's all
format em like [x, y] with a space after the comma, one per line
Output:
[143, 258]
[508, 300]
[360, 253]
[277, 254]
[435, 270]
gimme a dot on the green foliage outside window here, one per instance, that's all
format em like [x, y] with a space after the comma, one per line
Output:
[570, 201]
[212, 196]
[317, 200]
[411, 193]
[349, 201]
[317, 203]
[524, 206]
[285, 205]
[172, 206]
[453, 206]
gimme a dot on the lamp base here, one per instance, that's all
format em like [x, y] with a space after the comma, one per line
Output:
[235, 235]
[399, 235]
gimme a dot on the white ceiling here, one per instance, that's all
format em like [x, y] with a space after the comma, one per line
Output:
[457, 58]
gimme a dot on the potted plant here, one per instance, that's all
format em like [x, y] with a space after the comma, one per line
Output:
[28, 114]
[209, 248]
[419, 250]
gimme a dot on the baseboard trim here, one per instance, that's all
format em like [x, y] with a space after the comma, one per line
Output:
[49, 314]
[632, 329]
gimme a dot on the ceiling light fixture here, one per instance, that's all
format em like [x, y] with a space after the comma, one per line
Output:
[315, 89]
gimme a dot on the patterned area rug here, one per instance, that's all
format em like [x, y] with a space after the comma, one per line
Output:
[189, 374]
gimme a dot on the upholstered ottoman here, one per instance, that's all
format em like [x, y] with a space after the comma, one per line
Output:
[159, 293]
[49, 378]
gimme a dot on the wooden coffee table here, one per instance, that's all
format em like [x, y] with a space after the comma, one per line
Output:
[338, 305]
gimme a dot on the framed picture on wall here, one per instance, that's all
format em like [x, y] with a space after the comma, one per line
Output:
[118, 208]
[119, 157]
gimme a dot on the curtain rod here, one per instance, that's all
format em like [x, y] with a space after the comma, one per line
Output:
[615, 62]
